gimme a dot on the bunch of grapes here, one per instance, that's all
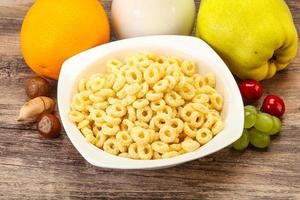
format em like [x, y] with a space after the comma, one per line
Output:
[258, 128]
[259, 124]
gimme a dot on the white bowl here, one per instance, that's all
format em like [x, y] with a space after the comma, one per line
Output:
[90, 61]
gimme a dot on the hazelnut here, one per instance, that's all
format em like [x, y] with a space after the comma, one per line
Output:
[49, 126]
[37, 86]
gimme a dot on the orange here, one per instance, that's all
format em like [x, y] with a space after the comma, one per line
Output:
[54, 30]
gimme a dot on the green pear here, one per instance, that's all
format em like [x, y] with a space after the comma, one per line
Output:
[255, 38]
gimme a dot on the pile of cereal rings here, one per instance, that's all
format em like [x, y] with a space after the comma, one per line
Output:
[148, 107]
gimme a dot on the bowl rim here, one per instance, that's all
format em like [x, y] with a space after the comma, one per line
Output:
[105, 160]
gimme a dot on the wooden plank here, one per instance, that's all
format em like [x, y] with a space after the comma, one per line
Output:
[32, 167]
[47, 162]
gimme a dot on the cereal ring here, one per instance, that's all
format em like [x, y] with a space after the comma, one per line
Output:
[153, 96]
[145, 151]
[176, 124]
[158, 105]
[140, 103]
[116, 110]
[83, 124]
[82, 85]
[140, 135]
[110, 130]
[189, 130]
[76, 116]
[199, 81]
[132, 150]
[216, 101]
[151, 74]
[210, 80]
[200, 108]
[122, 148]
[144, 114]
[124, 155]
[167, 134]
[113, 100]
[204, 135]
[188, 67]
[101, 105]
[217, 127]
[170, 154]
[119, 83]
[110, 146]
[161, 86]
[131, 61]
[173, 99]
[132, 89]
[190, 145]
[175, 147]
[187, 92]
[141, 124]
[200, 98]
[156, 155]
[124, 138]
[127, 125]
[97, 84]
[172, 81]
[186, 112]
[113, 65]
[210, 121]
[122, 93]
[160, 120]
[160, 147]
[143, 91]
[206, 89]
[86, 131]
[197, 119]
[167, 110]
[106, 93]
[133, 75]
[110, 80]
[131, 113]
[128, 100]
[102, 138]
[111, 120]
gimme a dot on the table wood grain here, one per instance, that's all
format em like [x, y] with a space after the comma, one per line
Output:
[32, 167]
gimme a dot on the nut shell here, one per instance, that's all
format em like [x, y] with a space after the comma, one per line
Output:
[49, 126]
[34, 108]
[37, 86]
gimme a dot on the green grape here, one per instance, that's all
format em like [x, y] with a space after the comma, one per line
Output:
[259, 139]
[250, 119]
[264, 122]
[276, 126]
[251, 109]
[243, 142]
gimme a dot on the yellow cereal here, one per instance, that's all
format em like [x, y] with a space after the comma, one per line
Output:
[148, 107]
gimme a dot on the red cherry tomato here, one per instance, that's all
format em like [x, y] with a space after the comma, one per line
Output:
[273, 105]
[251, 91]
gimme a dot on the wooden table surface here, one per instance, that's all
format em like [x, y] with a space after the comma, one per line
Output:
[32, 167]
